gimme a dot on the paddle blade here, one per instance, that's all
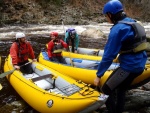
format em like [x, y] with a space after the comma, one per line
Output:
[1, 86]
[91, 65]
[141, 47]
[77, 60]
[58, 51]
[6, 73]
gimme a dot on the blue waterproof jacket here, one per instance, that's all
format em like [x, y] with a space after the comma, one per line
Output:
[131, 62]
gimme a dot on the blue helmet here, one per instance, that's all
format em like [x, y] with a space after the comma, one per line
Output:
[113, 7]
[71, 31]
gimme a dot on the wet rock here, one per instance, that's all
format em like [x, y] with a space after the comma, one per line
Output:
[137, 101]
[9, 99]
[17, 107]
[146, 87]
[93, 33]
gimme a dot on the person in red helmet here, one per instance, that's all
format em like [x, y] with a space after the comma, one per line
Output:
[54, 46]
[20, 51]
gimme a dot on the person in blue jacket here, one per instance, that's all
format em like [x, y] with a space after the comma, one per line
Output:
[122, 40]
[72, 38]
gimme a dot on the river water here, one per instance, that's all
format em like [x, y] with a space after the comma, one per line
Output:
[38, 35]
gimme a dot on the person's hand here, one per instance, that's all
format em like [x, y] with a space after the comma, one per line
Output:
[75, 51]
[116, 60]
[51, 59]
[96, 81]
[16, 67]
[34, 60]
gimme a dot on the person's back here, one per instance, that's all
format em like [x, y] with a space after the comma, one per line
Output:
[72, 37]
[122, 36]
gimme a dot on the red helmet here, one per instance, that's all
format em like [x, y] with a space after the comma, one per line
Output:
[54, 34]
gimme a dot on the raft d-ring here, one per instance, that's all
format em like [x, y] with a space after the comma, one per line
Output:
[53, 76]
[50, 103]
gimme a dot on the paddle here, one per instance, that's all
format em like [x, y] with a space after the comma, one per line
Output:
[0, 61]
[140, 47]
[91, 65]
[71, 59]
[1, 86]
[112, 66]
[76, 60]
[68, 47]
[63, 25]
[58, 51]
[11, 71]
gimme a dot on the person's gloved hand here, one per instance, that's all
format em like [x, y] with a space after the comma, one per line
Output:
[96, 81]
[17, 67]
[75, 51]
[34, 60]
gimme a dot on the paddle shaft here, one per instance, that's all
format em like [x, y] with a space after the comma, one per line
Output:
[11, 71]
[68, 46]
[63, 25]
[25, 64]
[0, 61]
[71, 60]
[1, 86]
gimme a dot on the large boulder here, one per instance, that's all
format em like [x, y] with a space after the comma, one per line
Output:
[93, 33]
[92, 37]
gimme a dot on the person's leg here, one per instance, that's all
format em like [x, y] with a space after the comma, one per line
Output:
[56, 59]
[62, 60]
[110, 103]
[110, 86]
[26, 69]
[121, 91]
[114, 80]
[22, 70]
[120, 96]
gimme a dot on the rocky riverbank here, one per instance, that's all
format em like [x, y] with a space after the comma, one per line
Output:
[73, 12]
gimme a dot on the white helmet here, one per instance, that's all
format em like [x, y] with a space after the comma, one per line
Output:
[20, 35]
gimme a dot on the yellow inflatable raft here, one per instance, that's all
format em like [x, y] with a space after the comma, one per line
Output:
[88, 75]
[49, 91]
